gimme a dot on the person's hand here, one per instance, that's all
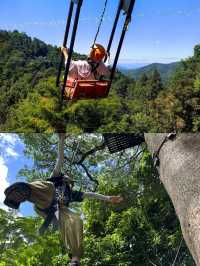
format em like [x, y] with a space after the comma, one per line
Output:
[116, 199]
[64, 49]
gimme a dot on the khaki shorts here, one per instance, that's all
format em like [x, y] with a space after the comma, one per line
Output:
[70, 223]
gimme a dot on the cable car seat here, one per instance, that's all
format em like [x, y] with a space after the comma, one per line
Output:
[86, 89]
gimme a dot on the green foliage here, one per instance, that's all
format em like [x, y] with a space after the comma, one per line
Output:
[24, 62]
[21, 245]
[178, 106]
[30, 101]
[140, 231]
[197, 52]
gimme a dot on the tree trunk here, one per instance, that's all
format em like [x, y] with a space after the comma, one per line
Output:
[180, 174]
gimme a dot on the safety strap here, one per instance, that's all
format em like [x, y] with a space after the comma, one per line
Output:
[94, 67]
[156, 160]
[50, 216]
[50, 211]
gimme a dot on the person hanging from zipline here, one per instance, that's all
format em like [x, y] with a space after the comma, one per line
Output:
[51, 199]
[91, 69]
[52, 196]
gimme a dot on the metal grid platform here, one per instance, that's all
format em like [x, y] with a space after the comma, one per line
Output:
[118, 142]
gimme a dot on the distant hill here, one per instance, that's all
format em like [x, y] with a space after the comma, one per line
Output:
[165, 70]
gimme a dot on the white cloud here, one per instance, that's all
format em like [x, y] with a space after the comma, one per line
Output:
[7, 145]
[7, 150]
[11, 152]
[9, 137]
[3, 181]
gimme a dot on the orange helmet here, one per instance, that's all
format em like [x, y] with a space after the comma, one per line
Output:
[97, 53]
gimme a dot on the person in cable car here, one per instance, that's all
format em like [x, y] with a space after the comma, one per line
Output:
[91, 69]
[85, 76]
[91, 78]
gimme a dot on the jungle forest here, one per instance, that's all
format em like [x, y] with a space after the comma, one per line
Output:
[142, 230]
[30, 101]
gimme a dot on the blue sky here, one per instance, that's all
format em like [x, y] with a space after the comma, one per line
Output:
[161, 31]
[12, 159]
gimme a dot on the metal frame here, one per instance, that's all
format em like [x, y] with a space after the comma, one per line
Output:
[114, 27]
[125, 28]
[78, 4]
[65, 41]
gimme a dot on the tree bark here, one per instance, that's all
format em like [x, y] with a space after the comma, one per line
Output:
[180, 174]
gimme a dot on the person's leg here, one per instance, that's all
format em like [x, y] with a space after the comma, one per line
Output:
[71, 228]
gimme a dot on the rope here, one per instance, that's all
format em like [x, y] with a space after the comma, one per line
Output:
[156, 161]
[74, 153]
[100, 23]
[173, 264]
[69, 167]
[72, 161]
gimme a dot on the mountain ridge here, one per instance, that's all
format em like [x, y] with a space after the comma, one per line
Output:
[165, 70]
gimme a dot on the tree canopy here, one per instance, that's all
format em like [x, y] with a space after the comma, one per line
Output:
[143, 230]
[30, 101]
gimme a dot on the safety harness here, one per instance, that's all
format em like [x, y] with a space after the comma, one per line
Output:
[20, 192]
[50, 216]
[156, 160]
[94, 67]
[62, 197]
